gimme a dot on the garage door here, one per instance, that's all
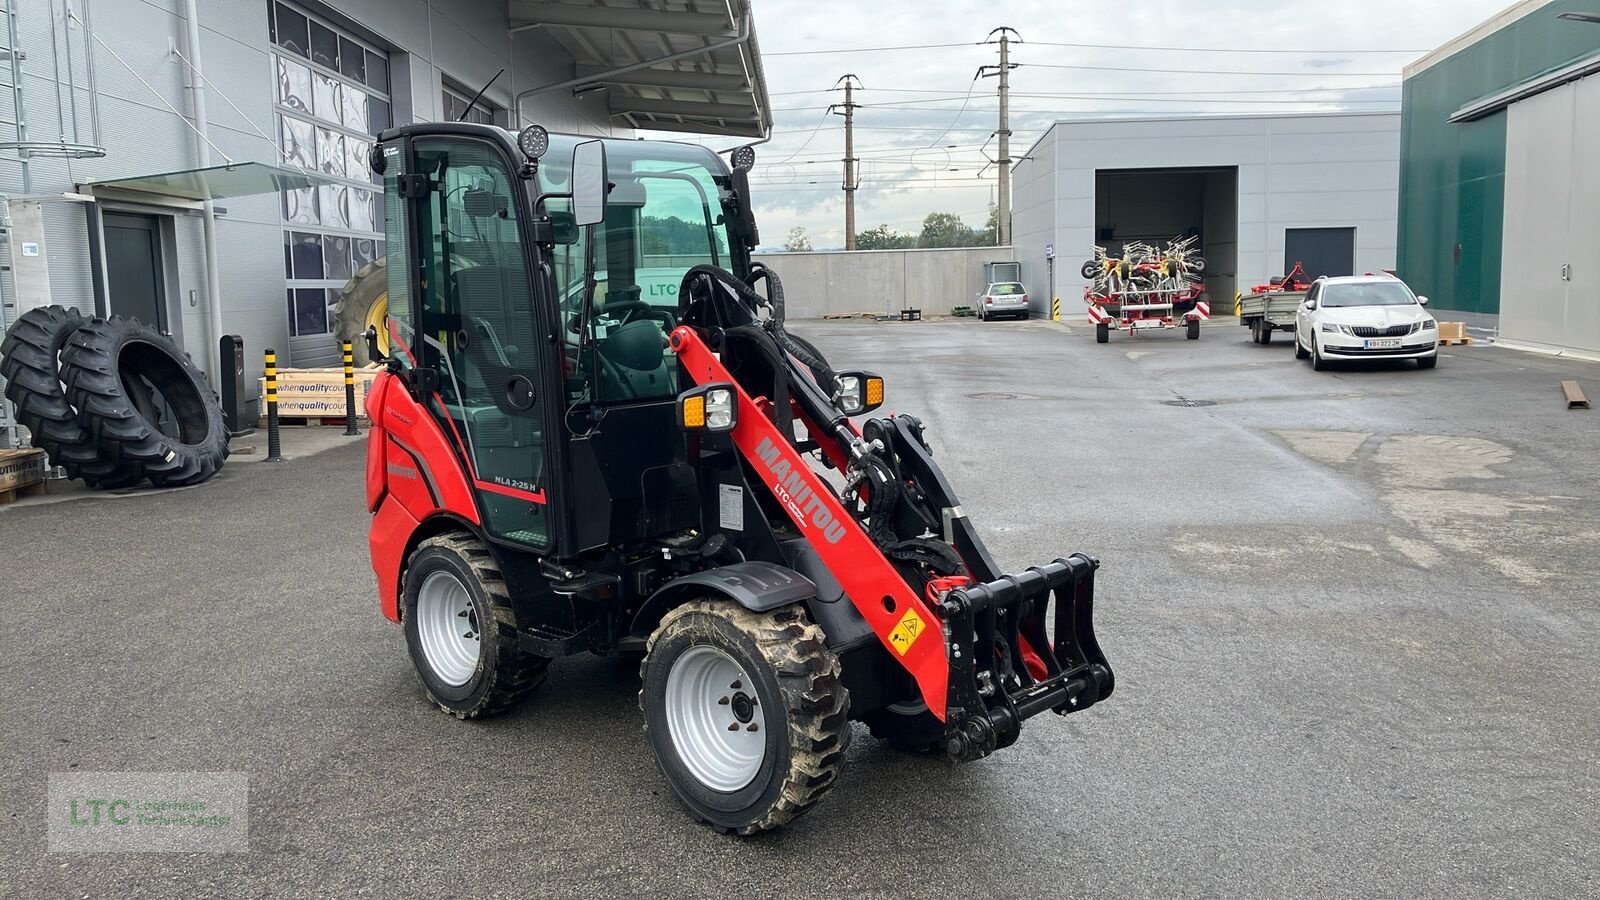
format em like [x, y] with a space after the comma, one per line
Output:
[1320, 251]
[1550, 286]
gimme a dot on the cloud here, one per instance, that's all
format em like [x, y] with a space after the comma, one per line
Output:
[910, 97]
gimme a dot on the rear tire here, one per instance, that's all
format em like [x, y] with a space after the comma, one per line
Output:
[744, 712]
[364, 302]
[1266, 333]
[1193, 332]
[453, 578]
[30, 363]
[105, 367]
[1255, 331]
[1102, 332]
[1026, 316]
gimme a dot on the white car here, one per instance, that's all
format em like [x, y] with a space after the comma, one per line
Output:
[1364, 317]
[1003, 298]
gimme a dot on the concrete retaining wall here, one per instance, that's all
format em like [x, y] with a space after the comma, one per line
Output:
[881, 281]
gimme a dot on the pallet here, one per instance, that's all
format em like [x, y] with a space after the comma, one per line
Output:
[11, 495]
[1452, 342]
[854, 315]
[21, 473]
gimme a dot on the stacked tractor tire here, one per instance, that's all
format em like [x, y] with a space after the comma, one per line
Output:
[112, 401]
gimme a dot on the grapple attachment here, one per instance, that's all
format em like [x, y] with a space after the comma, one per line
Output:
[1004, 667]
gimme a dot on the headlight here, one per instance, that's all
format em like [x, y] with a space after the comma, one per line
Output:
[719, 409]
[712, 408]
[1429, 324]
[859, 392]
[1330, 328]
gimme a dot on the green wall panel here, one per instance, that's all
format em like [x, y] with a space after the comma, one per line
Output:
[1452, 177]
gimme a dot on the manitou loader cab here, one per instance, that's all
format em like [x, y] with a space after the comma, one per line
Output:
[592, 433]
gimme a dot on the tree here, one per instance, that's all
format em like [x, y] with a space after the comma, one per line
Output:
[884, 238]
[797, 242]
[942, 229]
[986, 235]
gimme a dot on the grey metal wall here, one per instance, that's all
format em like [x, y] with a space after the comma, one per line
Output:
[1302, 171]
[881, 281]
[428, 39]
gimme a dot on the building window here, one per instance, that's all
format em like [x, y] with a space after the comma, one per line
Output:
[483, 112]
[332, 98]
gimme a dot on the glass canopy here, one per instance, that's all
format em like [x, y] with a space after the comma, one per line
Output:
[220, 182]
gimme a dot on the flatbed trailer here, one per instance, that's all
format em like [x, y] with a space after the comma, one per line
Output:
[1268, 311]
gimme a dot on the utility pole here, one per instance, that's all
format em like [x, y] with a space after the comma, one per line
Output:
[1003, 71]
[850, 182]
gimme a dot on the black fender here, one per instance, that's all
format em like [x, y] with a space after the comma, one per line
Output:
[756, 585]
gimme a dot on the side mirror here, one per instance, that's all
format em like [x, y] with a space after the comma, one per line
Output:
[1422, 301]
[589, 183]
[1311, 304]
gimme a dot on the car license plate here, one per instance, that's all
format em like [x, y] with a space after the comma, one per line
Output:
[1384, 344]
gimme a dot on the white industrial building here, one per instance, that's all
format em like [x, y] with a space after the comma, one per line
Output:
[202, 165]
[1260, 191]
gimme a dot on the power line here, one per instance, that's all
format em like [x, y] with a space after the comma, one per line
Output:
[809, 137]
[1090, 68]
[861, 49]
[964, 101]
[1320, 52]
[1291, 90]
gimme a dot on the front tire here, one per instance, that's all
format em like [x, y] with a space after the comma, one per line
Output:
[745, 713]
[907, 727]
[1300, 352]
[1318, 364]
[1266, 333]
[1427, 362]
[461, 629]
[1193, 333]
[1102, 332]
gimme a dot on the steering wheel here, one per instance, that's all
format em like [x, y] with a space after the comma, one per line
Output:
[633, 310]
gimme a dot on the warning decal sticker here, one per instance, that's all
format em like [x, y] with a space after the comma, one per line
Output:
[906, 633]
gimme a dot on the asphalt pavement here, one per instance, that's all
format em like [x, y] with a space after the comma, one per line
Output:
[1352, 616]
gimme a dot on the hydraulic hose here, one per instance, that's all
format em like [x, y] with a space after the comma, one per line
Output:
[773, 325]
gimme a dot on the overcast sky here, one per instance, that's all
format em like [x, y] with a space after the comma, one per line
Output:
[911, 97]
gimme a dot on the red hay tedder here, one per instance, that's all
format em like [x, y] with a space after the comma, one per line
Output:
[1147, 288]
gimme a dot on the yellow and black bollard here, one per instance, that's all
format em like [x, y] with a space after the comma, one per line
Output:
[274, 446]
[1055, 309]
[349, 389]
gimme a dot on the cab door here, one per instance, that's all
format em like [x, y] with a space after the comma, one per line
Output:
[477, 328]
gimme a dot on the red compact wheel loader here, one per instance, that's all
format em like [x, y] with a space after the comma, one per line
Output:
[592, 433]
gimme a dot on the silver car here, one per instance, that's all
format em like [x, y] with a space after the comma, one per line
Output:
[1003, 298]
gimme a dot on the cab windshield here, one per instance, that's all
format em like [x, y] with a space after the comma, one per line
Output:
[663, 217]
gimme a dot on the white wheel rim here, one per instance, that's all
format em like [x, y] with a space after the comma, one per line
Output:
[715, 721]
[447, 628]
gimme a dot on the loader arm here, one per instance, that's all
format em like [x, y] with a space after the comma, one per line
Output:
[896, 538]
